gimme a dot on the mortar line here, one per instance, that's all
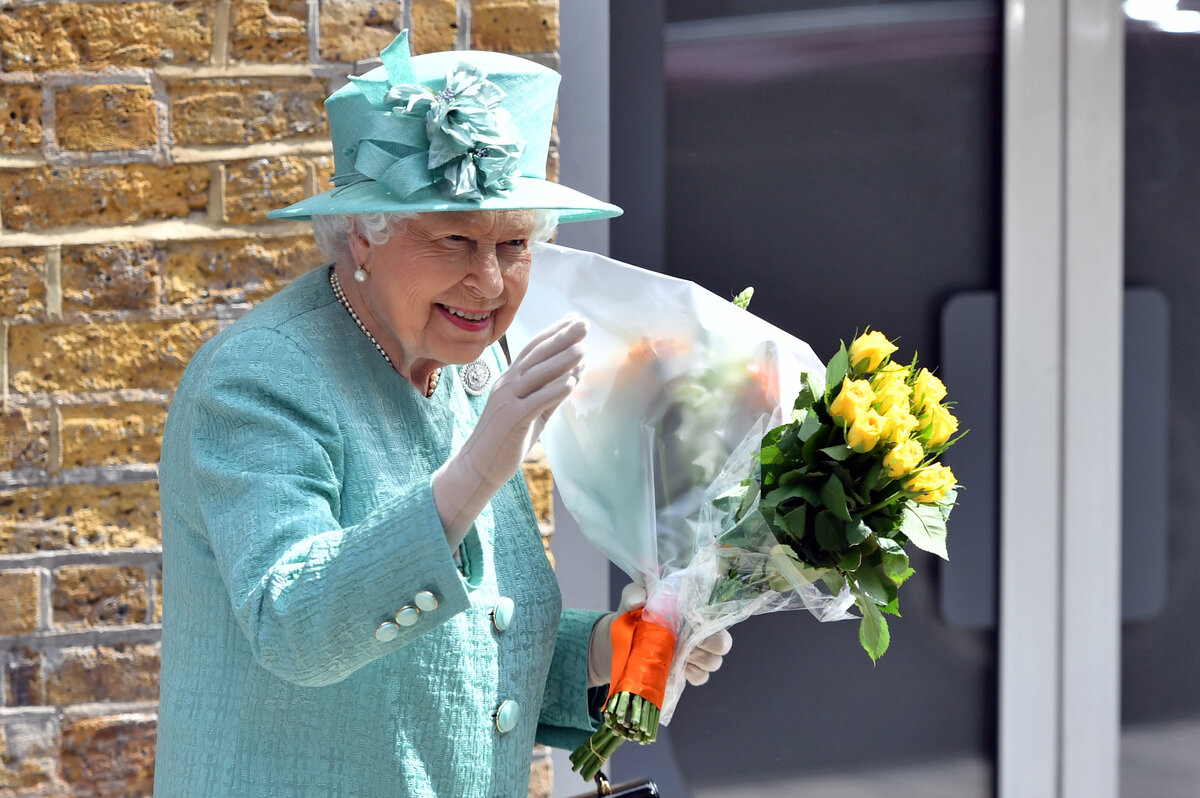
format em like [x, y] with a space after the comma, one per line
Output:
[143, 556]
[4, 365]
[54, 457]
[313, 30]
[53, 282]
[45, 599]
[216, 193]
[462, 37]
[220, 34]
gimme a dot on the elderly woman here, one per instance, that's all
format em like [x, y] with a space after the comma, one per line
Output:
[356, 601]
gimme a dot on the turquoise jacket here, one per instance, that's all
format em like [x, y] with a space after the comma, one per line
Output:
[297, 517]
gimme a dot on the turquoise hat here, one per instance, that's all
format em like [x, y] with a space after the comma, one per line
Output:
[462, 130]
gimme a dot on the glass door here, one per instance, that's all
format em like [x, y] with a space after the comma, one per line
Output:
[843, 159]
[1160, 706]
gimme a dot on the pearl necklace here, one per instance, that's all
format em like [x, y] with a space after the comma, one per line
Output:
[336, 285]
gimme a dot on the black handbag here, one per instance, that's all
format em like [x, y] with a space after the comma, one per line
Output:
[641, 788]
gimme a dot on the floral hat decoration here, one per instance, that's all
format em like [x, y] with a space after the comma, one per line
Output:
[451, 131]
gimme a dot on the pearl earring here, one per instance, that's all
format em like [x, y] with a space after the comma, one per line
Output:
[360, 275]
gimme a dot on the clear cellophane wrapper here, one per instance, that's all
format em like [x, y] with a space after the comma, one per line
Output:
[650, 449]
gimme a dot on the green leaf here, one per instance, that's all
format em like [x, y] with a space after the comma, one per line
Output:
[836, 369]
[834, 581]
[809, 425]
[869, 582]
[833, 496]
[856, 531]
[839, 452]
[890, 546]
[742, 300]
[801, 490]
[872, 478]
[925, 526]
[851, 560]
[795, 520]
[895, 565]
[830, 532]
[892, 607]
[873, 631]
[807, 395]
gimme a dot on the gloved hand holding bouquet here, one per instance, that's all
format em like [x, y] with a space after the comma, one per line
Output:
[703, 454]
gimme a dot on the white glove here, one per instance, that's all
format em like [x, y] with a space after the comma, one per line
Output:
[707, 657]
[600, 645]
[540, 378]
[703, 662]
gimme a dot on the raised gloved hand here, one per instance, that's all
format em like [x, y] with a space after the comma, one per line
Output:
[701, 663]
[539, 379]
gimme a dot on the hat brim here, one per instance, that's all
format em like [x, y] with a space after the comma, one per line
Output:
[527, 193]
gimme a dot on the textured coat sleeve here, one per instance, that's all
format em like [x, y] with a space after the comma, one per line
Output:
[570, 712]
[267, 449]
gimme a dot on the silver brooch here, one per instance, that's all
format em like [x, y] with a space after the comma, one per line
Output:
[475, 377]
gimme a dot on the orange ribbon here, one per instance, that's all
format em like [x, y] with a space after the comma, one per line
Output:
[642, 654]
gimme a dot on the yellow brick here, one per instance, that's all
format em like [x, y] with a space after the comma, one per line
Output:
[99, 595]
[254, 187]
[156, 612]
[19, 601]
[95, 35]
[435, 26]
[515, 26]
[102, 357]
[24, 433]
[235, 270]
[110, 277]
[50, 196]
[352, 30]
[29, 761]
[112, 434]
[106, 117]
[324, 169]
[269, 31]
[101, 673]
[247, 110]
[22, 282]
[24, 685]
[20, 118]
[541, 487]
[123, 515]
[115, 751]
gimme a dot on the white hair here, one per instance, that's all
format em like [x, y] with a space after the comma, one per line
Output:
[333, 231]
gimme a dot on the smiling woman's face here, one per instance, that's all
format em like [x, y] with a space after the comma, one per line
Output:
[448, 285]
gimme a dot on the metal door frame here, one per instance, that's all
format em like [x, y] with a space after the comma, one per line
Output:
[1061, 323]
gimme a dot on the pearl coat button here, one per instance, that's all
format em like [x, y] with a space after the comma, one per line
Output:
[407, 615]
[507, 716]
[425, 601]
[502, 614]
[386, 632]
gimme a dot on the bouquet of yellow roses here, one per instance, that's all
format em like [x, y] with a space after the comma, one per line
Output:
[854, 478]
[686, 461]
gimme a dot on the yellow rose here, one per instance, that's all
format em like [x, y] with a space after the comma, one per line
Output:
[869, 350]
[941, 424]
[854, 397]
[903, 458]
[865, 432]
[891, 393]
[901, 424]
[930, 484]
[927, 390]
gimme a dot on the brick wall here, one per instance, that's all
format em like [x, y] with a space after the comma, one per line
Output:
[141, 144]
